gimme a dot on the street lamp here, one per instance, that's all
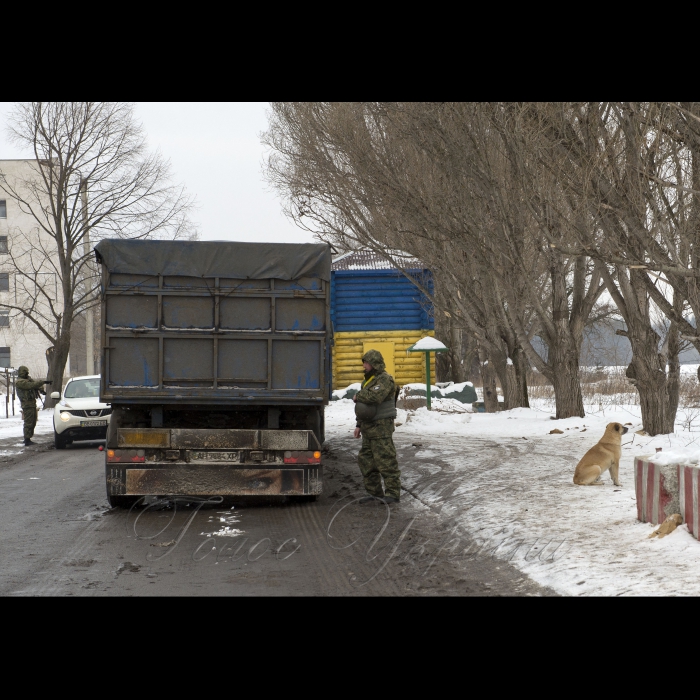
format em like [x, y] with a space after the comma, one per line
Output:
[89, 319]
[427, 345]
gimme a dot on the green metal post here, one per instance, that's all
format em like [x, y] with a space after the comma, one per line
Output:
[427, 376]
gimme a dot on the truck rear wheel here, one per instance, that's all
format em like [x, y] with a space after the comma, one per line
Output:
[315, 420]
[121, 501]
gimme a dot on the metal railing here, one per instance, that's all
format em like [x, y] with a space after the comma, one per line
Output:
[8, 375]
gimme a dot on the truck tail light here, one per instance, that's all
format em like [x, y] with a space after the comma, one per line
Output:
[126, 455]
[302, 457]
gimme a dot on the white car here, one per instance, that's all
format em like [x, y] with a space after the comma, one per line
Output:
[79, 415]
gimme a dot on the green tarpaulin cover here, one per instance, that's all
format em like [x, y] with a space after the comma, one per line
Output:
[286, 261]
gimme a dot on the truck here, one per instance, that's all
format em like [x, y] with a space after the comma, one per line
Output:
[216, 361]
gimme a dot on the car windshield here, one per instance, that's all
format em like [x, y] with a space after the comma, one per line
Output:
[83, 389]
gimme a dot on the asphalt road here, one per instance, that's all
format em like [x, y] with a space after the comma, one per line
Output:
[58, 537]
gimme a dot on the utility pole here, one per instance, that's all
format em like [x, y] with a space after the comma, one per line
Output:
[89, 318]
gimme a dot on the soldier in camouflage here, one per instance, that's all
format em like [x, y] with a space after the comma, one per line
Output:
[375, 409]
[28, 391]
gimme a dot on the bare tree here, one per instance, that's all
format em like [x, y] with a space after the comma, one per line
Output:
[459, 186]
[353, 179]
[631, 170]
[93, 178]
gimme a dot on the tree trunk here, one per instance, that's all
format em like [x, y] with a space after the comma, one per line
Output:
[651, 381]
[505, 371]
[456, 354]
[521, 366]
[500, 348]
[513, 374]
[674, 376]
[564, 349]
[511, 393]
[674, 366]
[565, 378]
[57, 358]
[654, 403]
[488, 376]
[647, 371]
[470, 358]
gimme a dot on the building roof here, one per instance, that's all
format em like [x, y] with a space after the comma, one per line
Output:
[369, 260]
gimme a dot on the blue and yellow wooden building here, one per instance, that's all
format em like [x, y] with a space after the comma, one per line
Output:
[375, 306]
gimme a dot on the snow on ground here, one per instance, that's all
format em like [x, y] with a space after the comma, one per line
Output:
[508, 482]
[12, 427]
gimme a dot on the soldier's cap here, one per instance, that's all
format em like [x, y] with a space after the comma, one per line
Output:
[23, 371]
[374, 358]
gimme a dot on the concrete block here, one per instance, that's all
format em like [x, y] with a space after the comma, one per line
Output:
[656, 488]
[689, 495]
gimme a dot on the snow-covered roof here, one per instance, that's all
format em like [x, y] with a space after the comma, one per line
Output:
[369, 260]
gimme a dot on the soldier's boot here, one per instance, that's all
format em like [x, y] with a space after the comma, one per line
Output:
[391, 499]
[370, 499]
[28, 441]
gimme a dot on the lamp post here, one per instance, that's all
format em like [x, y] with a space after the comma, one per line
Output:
[427, 345]
[89, 320]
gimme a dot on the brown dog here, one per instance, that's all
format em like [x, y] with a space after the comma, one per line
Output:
[601, 457]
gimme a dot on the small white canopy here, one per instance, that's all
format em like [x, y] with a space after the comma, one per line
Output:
[428, 343]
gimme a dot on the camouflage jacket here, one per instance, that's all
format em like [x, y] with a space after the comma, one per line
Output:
[378, 389]
[29, 390]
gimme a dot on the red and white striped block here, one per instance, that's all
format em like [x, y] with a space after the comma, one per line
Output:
[656, 487]
[689, 495]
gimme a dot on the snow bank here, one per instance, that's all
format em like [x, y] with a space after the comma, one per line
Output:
[445, 413]
[420, 387]
[455, 388]
[678, 455]
[340, 393]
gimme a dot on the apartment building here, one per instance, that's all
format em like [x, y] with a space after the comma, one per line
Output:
[25, 272]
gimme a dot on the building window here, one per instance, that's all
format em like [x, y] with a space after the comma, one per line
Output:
[4, 281]
[3, 209]
[5, 357]
[3, 244]
[4, 319]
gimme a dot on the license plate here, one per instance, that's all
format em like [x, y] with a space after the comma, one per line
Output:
[213, 456]
[92, 423]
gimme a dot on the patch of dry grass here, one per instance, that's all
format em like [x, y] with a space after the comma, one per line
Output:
[608, 387]
[612, 388]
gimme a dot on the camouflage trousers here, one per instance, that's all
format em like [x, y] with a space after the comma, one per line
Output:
[377, 460]
[30, 416]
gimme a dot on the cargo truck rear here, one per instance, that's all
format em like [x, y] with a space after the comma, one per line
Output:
[216, 361]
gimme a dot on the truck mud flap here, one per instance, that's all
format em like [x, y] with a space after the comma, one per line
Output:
[214, 481]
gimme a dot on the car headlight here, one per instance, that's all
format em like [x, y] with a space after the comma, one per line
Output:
[65, 416]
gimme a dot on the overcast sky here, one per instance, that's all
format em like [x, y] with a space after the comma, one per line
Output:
[215, 151]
